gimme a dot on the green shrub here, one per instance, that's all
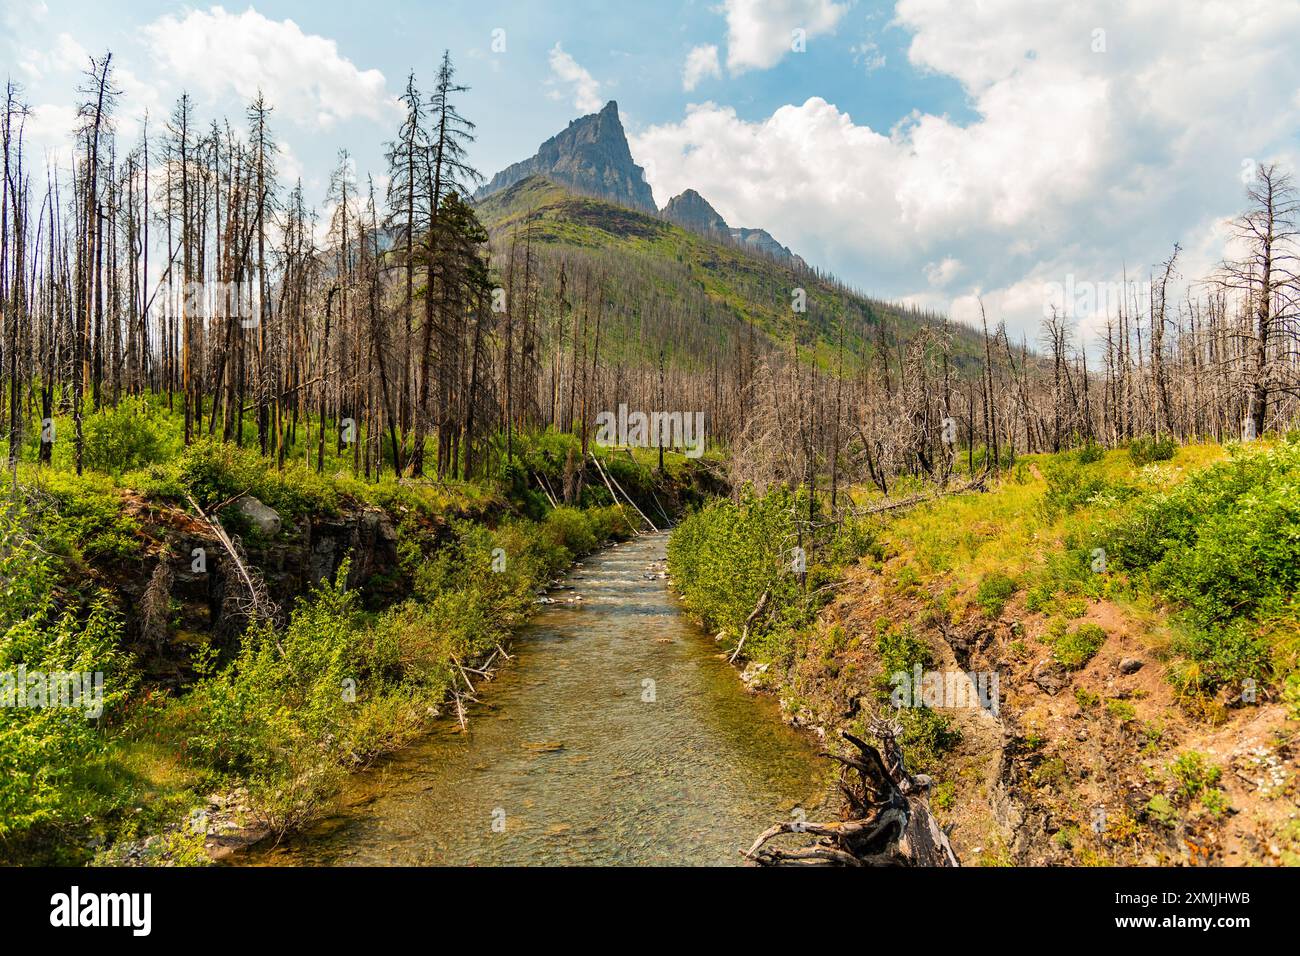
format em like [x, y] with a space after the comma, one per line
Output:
[1121, 710]
[1144, 451]
[1162, 811]
[900, 651]
[726, 555]
[569, 528]
[927, 736]
[1194, 774]
[1222, 545]
[214, 472]
[84, 514]
[47, 753]
[1070, 486]
[129, 436]
[1090, 454]
[1243, 560]
[1219, 654]
[25, 572]
[993, 593]
[1039, 598]
[1074, 649]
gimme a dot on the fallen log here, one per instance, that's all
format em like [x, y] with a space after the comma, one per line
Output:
[886, 820]
[975, 484]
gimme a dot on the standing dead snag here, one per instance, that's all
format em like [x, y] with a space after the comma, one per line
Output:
[886, 820]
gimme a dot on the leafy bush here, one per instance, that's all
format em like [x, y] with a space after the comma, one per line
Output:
[214, 472]
[993, 593]
[25, 574]
[46, 752]
[1091, 454]
[129, 436]
[726, 555]
[900, 651]
[1194, 774]
[1074, 649]
[568, 528]
[927, 736]
[1144, 451]
[284, 691]
[1070, 486]
[1225, 545]
[84, 514]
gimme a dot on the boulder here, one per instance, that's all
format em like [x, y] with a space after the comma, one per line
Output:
[265, 520]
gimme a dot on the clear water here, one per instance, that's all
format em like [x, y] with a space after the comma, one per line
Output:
[567, 760]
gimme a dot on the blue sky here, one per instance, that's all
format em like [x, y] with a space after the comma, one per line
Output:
[634, 51]
[929, 150]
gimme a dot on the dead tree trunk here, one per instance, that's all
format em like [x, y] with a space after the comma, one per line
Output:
[886, 819]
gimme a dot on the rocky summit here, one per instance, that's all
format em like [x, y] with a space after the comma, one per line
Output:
[592, 156]
[692, 211]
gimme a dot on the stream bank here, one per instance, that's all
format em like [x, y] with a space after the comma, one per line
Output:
[616, 736]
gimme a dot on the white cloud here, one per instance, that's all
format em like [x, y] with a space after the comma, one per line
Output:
[49, 131]
[1077, 163]
[302, 75]
[939, 274]
[868, 54]
[17, 15]
[701, 62]
[761, 32]
[65, 54]
[583, 87]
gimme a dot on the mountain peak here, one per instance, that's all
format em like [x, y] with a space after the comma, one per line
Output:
[592, 156]
[692, 211]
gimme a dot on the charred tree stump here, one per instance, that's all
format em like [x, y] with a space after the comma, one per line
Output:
[886, 819]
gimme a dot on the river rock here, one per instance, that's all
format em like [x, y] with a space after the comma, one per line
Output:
[1130, 665]
[265, 520]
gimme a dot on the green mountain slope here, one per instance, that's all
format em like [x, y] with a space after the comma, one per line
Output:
[666, 286]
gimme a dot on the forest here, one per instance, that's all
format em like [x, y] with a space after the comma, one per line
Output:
[432, 336]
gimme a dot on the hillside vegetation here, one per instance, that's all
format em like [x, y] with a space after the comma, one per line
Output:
[695, 296]
[1138, 607]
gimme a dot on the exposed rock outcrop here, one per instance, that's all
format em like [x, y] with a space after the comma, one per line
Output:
[592, 156]
[692, 211]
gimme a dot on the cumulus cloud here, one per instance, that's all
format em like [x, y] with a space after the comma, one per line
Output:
[701, 62]
[761, 32]
[17, 15]
[48, 133]
[51, 128]
[64, 54]
[302, 75]
[1077, 163]
[578, 83]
